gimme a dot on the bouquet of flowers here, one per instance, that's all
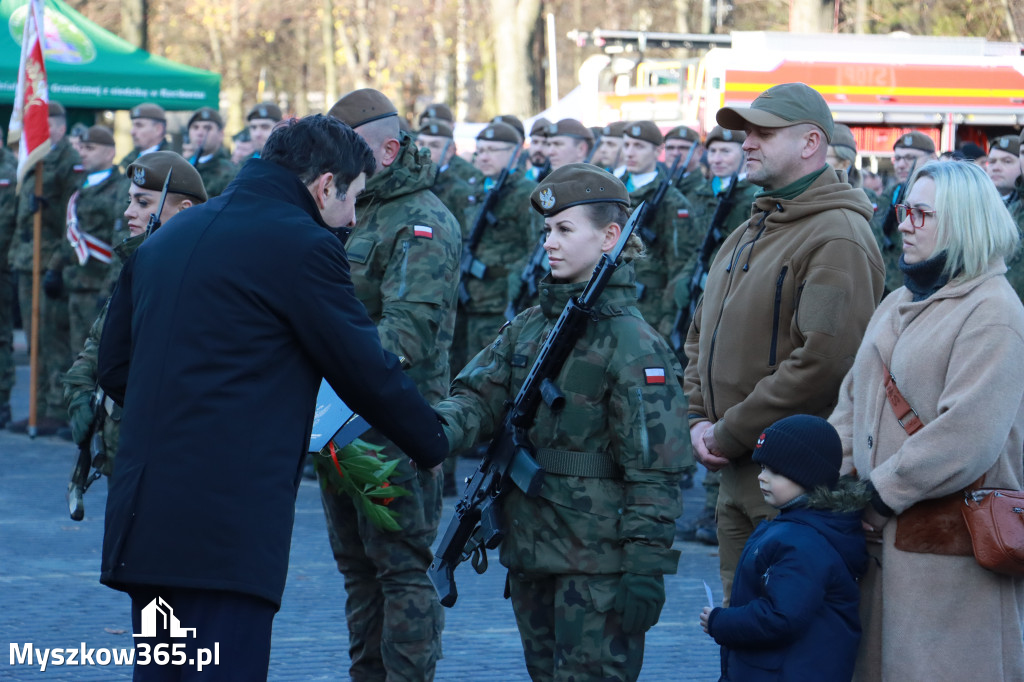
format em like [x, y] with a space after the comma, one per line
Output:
[361, 471]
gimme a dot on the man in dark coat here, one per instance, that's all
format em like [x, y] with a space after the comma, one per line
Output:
[217, 336]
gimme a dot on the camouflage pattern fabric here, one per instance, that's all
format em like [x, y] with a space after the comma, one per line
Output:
[891, 245]
[1015, 266]
[688, 185]
[217, 172]
[8, 209]
[131, 156]
[454, 193]
[404, 258]
[465, 171]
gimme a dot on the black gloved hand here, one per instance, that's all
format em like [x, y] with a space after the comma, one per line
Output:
[639, 599]
[53, 283]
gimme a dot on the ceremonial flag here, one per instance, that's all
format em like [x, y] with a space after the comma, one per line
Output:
[30, 119]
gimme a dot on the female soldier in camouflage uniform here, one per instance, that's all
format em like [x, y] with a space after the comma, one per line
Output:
[586, 557]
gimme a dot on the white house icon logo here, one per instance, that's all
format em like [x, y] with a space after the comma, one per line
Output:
[158, 608]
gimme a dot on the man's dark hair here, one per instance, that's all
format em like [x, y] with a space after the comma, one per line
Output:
[318, 144]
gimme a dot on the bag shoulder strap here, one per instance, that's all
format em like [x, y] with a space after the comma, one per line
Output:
[905, 414]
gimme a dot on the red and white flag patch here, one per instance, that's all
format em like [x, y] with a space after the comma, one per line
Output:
[683, 213]
[423, 231]
[655, 375]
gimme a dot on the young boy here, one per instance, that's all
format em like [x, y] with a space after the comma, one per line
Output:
[794, 610]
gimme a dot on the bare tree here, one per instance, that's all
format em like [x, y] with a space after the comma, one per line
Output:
[512, 26]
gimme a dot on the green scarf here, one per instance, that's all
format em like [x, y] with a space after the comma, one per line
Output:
[793, 189]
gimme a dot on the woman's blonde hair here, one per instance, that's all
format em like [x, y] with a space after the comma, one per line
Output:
[605, 213]
[973, 225]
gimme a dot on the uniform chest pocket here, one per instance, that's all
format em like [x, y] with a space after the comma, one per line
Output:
[359, 249]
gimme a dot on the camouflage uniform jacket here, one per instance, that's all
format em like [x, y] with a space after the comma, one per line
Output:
[404, 257]
[505, 245]
[677, 237]
[624, 400]
[100, 210]
[130, 157]
[62, 175]
[217, 172]
[454, 193]
[8, 203]
[1015, 264]
[890, 245]
[688, 185]
[465, 171]
[81, 378]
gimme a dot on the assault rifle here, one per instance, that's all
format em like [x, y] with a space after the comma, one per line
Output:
[477, 523]
[470, 265]
[154, 218]
[92, 454]
[532, 273]
[645, 231]
[712, 239]
[891, 224]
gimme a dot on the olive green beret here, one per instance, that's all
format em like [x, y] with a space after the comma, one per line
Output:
[843, 137]
[644, 130]
[570, 127]
[915, 140]
[540, 127]
[509, 119]
[100, 135]
[360, 107]
[267, 110]
[614, 129]
[575, 184]
[149, 110]
[1007, 143]
[56, 109]
[436, 127]
[206, 114]
[500, 132]
[720, 134]
[683, 133]
[439, 111]
[781, 106]
[150, 170]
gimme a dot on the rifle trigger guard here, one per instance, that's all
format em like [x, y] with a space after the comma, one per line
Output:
[478, 559]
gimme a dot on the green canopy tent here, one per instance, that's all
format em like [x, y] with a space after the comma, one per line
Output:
[88, 67]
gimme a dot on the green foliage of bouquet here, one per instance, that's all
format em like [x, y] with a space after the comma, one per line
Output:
[361, 471]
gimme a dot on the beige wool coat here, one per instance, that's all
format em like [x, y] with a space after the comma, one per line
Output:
[958, 358]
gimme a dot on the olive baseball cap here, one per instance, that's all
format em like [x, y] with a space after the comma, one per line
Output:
[843, 137]
[683, 133]
[98, 134]
[149, 110]
[1007, 143]
[360, 107]
[644, 130]
[575, 184]
[206, 114]
[915, 140]
[570, 127]
[150, 171]
[720, 134]
[540, 127]
[781, 106]
[267, 110]
[500, 132]
[509, 119]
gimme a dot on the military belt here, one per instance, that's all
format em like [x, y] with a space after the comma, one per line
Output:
[573, 463]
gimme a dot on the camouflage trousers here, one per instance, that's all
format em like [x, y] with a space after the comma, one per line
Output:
[570, 631]
[741, 507]
[6, 336]
[54, 348]
[83, 309]
[712, 482]
[394, 618]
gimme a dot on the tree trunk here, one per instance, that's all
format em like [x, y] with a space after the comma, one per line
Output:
[133, 23]
[512, 24]
[330, 69]
[811, 16]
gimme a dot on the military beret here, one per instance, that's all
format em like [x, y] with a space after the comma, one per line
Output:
[540, 127]
[575, 184]
[500, 132]
[149, 171]
[267, 110]
[971, 151]
[614, 129]
[56, 109]
[1007, 143]
[644, 130]
[360, 107]
[720, 134]
[843, 137]
[149, 110]
[509, 119]
[206, 114]
[915, 140]
[781, 106]
[440, 111]
[570, 127]
[100, 135]
[436, 127]
[683, 133]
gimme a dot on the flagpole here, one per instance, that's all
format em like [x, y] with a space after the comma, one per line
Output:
[33, 358]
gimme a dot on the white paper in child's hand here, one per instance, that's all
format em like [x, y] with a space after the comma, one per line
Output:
[707, 590]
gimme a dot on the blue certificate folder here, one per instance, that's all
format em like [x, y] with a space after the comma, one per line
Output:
[334, 420]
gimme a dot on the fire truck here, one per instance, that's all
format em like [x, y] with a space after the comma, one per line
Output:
[952, 89]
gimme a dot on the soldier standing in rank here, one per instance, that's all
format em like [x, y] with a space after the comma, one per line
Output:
[260, 121]
[436, 137]
[1015, 204]
[678, 143]
[94, 225]
[668, 233]
[569, 141]
[149, 132]
[587, 556]
[609, 152]
[537, 152]
[8, 209]
[404, 259]
[842, 152]
[1003, 166]
[462, 169]
[63, 174]
[143, 188]
[524, 161]
[206, 138]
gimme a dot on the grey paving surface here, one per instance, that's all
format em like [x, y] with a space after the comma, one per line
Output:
[50, 595]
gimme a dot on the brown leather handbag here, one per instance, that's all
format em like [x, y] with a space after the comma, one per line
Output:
[995, 520]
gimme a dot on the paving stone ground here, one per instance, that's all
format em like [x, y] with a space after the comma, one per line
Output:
[50, 595]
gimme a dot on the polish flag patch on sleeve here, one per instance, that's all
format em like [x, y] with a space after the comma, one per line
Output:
[683, 213]
[423, 231]
[655, 375]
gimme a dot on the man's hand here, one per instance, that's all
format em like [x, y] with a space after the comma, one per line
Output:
[699, 439]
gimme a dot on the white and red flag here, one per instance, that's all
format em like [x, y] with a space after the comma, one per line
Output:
[29, 121]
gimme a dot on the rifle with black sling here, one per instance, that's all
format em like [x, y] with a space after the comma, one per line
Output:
[154, 218]
[532, 273]
[470, 265]
[92, 454]
[477, 523]
[712, 239]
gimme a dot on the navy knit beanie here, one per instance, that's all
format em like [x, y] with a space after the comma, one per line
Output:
[802, 448]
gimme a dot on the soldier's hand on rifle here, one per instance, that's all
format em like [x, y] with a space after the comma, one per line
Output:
[80, 414]
[53, 283]
[639, 599]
